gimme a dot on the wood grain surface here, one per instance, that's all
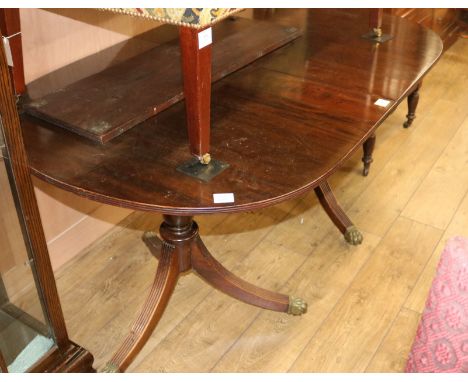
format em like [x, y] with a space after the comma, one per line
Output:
[114, 100]
[282, 124]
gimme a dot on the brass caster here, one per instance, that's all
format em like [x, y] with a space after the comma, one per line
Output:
[377, 32]
[366, 168]
[149, 235]
[297, 306]
[407, 123]
[353, 236]
[110, 368]
[205, 158]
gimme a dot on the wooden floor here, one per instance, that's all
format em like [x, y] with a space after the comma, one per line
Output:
[364, 302]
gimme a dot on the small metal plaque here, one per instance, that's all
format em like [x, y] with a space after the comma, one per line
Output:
[204, 172]
[372, 37]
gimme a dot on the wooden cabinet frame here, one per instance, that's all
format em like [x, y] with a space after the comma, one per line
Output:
[65, 355]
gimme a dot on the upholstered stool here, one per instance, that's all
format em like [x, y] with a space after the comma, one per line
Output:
[441, 343]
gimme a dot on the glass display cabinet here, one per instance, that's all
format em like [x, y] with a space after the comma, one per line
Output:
[33, 335]
[25, 334]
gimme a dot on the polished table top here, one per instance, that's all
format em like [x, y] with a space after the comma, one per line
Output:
[283, 124]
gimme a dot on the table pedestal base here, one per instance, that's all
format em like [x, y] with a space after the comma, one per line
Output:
[182, 250]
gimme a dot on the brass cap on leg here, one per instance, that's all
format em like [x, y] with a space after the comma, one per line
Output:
[377, 32]
[110, 368]
[297, 306]
[205, 158]
[353, 236]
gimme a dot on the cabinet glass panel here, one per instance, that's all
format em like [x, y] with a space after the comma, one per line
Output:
[25, 335]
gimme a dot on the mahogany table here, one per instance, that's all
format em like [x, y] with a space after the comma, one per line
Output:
[283, 124]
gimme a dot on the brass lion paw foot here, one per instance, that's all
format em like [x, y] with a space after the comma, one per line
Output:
[353, 236]
[110, 368]
[297, 306]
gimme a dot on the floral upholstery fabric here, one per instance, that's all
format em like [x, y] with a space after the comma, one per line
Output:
[191, 17]
[441, 343]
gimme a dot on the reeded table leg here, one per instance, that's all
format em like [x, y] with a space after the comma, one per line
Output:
[164, 283]
[337, 215]
[367, 159]
[3, 365]
[413, 100]
[181, 250]
[218, 276]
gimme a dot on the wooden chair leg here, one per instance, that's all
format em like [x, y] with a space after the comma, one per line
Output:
[375, 21]
[219, 277]
[337, 215]
[368, 148]
[164, 283]
[196, 72]
[413, 100]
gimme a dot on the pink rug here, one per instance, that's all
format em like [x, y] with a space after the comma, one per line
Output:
[441, 343]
